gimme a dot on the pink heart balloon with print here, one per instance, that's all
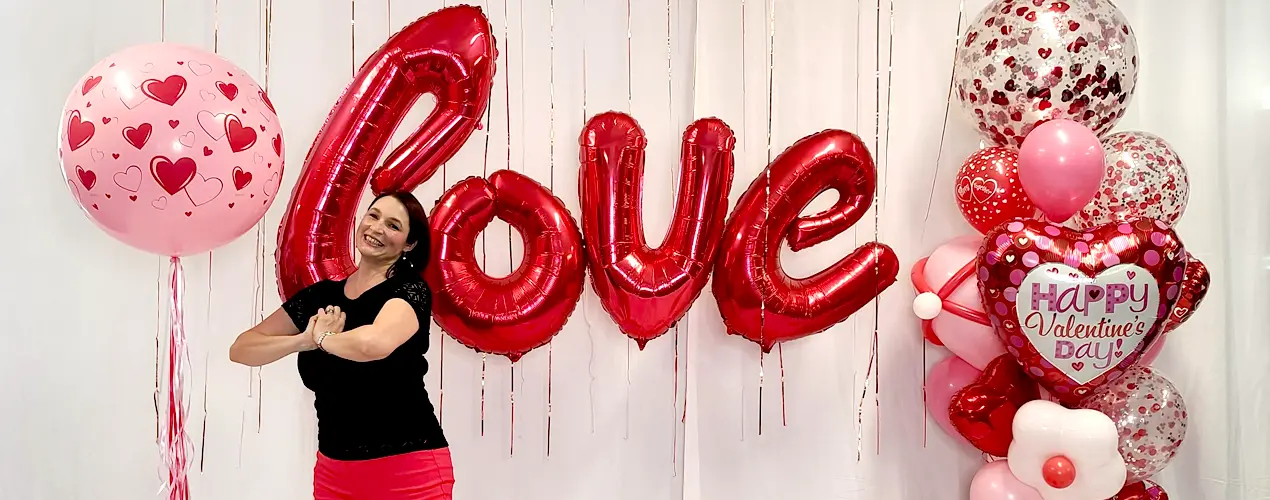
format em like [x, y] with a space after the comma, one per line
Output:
[1078, 308]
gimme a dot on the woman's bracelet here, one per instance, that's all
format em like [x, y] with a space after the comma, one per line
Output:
[321, 338]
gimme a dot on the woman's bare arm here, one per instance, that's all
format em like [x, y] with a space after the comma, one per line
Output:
[271, 340]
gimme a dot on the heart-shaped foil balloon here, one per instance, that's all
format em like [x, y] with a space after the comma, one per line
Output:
[984, 411]
[1142, 490]
[1194, 289]
[1078, 308]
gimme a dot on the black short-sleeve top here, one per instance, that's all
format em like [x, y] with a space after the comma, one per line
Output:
[372, 409]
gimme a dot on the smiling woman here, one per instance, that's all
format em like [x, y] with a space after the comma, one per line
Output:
[361, 343]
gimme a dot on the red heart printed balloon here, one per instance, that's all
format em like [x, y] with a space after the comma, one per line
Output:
[1078, 308]
[1142, 490]
[984, 411]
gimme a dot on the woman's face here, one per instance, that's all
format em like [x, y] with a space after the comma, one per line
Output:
[382, 233]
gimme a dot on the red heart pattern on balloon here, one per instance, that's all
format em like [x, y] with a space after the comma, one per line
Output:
[229, 90]
[78, 131]
[89, 84]
[983, 412]
[86, 177]
[241, 178]
[173, 176]
[138, 136]
[168, 91]
[1077, 309]
[240, 138]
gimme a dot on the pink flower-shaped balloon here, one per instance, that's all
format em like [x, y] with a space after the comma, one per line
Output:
[1066, 454]
[171, 149]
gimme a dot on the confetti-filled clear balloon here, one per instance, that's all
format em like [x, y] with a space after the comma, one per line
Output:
[1023, 63]
[1150, 415]
[1144, 178]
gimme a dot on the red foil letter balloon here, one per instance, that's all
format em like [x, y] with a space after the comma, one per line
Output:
[646, 290]
[756, 298]
[1078, 308]
[517, 313]
[174, 151]
[449, 53]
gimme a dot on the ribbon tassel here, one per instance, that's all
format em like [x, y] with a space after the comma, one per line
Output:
[174, 445]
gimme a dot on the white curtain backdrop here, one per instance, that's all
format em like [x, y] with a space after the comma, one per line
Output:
[77, 359]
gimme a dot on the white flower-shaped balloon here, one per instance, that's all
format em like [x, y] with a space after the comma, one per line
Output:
[1066, 454]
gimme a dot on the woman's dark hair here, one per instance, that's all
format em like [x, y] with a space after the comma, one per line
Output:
[415, 260]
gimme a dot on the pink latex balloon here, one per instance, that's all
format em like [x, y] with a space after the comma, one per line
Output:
[170, 149]
[973, 342]
[945, 379]
[995, 482]
[1061, 165]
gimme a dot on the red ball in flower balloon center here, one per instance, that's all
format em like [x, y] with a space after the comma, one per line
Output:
[1059, 472]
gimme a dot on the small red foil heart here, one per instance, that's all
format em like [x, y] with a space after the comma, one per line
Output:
[1194, 289]
[984, 411]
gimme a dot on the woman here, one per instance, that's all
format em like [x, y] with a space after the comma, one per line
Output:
[361, 343]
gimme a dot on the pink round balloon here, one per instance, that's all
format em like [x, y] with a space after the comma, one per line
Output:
[1061, 165]
[975, 343]
[171, 149]
[995, 482]
[945, 379]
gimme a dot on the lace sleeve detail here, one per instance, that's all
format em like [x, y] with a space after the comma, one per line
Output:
[419, 296]
[303, 305]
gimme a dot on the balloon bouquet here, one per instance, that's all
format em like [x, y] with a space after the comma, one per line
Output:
[1054, 316]
[174, 151]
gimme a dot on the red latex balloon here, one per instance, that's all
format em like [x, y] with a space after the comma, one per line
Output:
[1194, 289]
[988, 189]
[449, 53]
[514, 314]
[1059, 472]
[646, 290]
[1077, 309]
[1142, 490]
[756, 298]
[983, 412]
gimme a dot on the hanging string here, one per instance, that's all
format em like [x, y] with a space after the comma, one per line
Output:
[158, 336]
[943, 129]
[484, 357]
[511, 435]
[767, 195]
[943, 132]
[507, 97]
[352, 36]
[586, 317]
[744, 134]
[158, 332]
[674, 185]
[207, 361]
[630, 108]
[551, 180]
[202, 454]
[260, 230]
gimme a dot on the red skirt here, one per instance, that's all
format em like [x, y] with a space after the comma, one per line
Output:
[421, 475]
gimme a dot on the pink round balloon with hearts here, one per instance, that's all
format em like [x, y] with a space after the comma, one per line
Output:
[1078, 308]
[171, 149]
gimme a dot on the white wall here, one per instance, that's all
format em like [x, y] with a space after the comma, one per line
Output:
[77, 360]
